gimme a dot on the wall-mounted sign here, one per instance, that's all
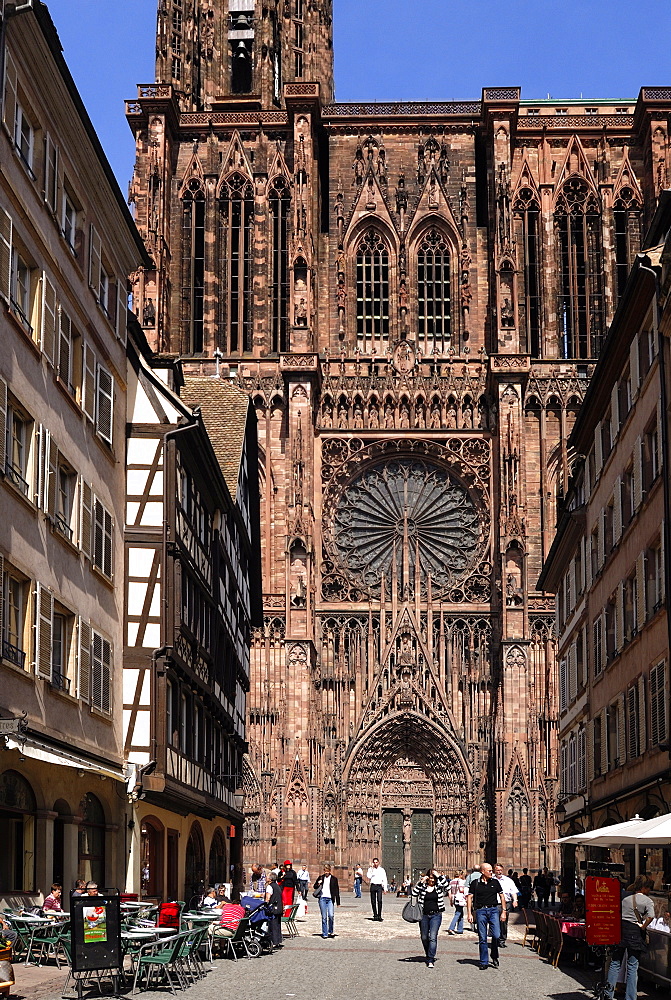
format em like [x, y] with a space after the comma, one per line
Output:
[603, 909]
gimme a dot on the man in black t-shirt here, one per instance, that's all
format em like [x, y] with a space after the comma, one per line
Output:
[484, 898]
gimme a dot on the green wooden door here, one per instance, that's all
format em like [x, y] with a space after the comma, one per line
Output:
[392, 843]
[422, 842]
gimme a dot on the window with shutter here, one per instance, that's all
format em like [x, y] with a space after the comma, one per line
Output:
[614, 413]
[85, 516]
[597, 639]
[582, 760]
[621, 746]
[642, 721]
[638, 473]
[101, 656]
[3, 424]
[572, 765]
[121, 310]
[44, 605]
[640, 592]
[563, 686]
[48, 324]
[619, 618]
[95, 260]
[589, 749]
[632, 722]
[598, 450]
[617, 511]
[102, 538]
[10, 101]
[564, 779]
[83, 659]
[658, 704]
[572, 672]
[50, 173]
[89, 382]
[65, 349]
[104, 404]
[634, 367]
[6, 234]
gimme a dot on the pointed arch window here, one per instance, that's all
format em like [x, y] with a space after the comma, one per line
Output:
[528, 233]
[627, 220]
[280, 202]
[434, 313]
[579, 249]
[193, 266]
[372, 291]
[236, 220]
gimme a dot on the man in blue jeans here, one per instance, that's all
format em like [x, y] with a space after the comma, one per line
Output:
[484, 898]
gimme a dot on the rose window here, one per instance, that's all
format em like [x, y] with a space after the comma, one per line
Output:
[392, 516]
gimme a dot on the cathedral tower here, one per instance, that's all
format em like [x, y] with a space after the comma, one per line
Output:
[227, 52]
[414, 296]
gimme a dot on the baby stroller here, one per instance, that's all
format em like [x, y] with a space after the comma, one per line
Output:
[259, 932]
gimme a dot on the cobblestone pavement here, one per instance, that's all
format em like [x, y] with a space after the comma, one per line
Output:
[385, 960]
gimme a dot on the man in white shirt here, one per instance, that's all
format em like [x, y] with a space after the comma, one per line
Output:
[377, 877]
[303, 881]
[510, 891]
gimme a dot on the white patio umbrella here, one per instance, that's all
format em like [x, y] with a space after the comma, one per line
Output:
[650, 831]
[607, 836]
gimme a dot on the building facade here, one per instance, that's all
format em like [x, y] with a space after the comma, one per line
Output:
[193, 595]
[67, 244]
[607, 566]
[414, 296]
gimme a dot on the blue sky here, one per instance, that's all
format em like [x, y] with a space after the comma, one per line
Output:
[392, 50]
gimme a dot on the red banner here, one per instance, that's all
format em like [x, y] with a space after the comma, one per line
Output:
[603, 910]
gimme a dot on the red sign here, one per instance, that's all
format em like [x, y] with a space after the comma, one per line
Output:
[603, 910]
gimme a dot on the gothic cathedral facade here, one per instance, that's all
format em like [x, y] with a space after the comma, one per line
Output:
[414, 295]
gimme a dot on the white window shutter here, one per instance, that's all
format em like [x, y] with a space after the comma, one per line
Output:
[42, 451]
[619, 617]
[614, 412]
[634, 368]
[121, 309]
[3, 424]
[51, 156]
[572, 671]
[83, 659]
[601, 541]
[43, 632]
[105, 405]
[584, 556]
[621, 748]
[604, 740]
[85, 516]
[48, 325]
[589, 752]
[95, 259]
[65, 348]
[598, 450]
[640, 591]
[89, 382]
[617, 510]
[642, 713]
[6, 229]
[107, 668]
[563, 685]
[52, 477]
[10, 98]
[638, 472]
[582, 759]
[632, 723]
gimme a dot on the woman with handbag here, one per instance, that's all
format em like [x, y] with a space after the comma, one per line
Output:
[430, 893]
[638, 911]
[327, 891]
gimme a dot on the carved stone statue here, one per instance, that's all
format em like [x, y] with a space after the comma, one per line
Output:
[373, 418]
[507, 314]
[359, 167]
[301, 313]
[149, 313]
[407, 830]
[434, 420]
[327, 416]
[389, 415]
[343, 419]
[358, 416]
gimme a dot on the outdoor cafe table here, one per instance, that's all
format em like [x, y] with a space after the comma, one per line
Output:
[30, 924]
[574, 928]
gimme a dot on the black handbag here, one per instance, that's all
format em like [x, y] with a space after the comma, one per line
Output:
[318, 892]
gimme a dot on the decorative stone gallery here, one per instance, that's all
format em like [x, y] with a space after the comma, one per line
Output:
[414, 296]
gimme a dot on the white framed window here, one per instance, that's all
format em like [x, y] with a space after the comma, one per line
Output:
[23, 289]
[51, 158]
[13, 611]
[69, 219]
[19, 427]
[24, 138]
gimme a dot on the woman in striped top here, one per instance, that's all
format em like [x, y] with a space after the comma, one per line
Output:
[430, 892]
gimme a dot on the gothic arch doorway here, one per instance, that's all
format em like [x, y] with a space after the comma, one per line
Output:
[407, 793]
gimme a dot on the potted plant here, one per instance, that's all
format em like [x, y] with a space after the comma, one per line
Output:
[6, 970]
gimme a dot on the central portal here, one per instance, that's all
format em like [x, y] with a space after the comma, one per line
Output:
[407, 820]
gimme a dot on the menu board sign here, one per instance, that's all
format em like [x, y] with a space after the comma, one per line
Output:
[96, 931]
[603, 910]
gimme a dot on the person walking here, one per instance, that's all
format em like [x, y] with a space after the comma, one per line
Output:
[510, 893]
[483, 899]
[638, 911]
[458, 901]
[303, 881]
[358, 879]
[526, 887]
[430, 893]
[329, 897]
[273, 901]
[377, 878]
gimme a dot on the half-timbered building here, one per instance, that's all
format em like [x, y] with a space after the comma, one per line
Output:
[67, 243]
[414, 296]
[192, 599]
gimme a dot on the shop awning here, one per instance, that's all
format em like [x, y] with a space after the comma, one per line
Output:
[38, 750]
